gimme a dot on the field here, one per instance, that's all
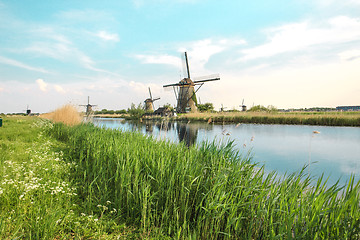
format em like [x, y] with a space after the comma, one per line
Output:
[61, 182]
[297, 118]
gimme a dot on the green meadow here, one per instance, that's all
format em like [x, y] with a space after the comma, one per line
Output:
[85, 182]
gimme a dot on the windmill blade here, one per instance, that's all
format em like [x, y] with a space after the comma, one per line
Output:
[172, 85]
[150, 93]
[183, 63]
[155, 99]
[187, 65]
[207, 80]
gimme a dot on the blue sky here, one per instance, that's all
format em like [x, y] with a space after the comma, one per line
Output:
[284, 53]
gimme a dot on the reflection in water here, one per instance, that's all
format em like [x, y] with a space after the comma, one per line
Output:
[187, 133]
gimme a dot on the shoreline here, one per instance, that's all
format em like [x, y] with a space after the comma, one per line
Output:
[346, 119]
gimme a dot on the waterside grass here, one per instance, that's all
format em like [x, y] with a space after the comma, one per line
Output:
[38, 195]
[204, 192]
[66, 114]
[296, 118]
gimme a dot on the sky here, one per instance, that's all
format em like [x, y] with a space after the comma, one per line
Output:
[284, 53]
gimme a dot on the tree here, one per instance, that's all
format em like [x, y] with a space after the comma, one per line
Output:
[206, 107]
[260, 108]
[136, 112]
[168, 106]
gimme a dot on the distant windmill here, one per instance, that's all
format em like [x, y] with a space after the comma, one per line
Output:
[28, 111]
[222, 108]
[243, 107]
[149, 102]
[185, 90]
[88, 107]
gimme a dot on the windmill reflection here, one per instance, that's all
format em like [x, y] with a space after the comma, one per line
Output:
[185, 132]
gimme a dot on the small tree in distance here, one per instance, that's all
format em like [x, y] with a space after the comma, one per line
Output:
[136, 112]
[206, 107]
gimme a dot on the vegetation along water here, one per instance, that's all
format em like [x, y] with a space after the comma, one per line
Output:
[60, 181]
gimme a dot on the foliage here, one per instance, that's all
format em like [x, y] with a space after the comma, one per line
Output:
[106, 111]
[136, 112]
[204, 192]
[260, 108]
[168, 106]
[206, 107]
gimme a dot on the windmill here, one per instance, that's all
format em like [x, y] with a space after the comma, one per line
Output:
[243, 107]
[149, 102]
[222, 109]
[88, 107]
[185, 90]
[28, 111]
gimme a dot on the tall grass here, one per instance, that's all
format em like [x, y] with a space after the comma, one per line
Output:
[300, 118]
[205, 192]
[66, 114]
[38, 196]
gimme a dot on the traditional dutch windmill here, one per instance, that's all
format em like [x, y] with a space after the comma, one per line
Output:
[185, 90]
[149, 102]
[88, 107]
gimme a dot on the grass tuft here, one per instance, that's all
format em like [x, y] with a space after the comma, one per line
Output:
[67, 114]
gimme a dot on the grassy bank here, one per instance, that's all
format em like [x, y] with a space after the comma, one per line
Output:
[299, 118]
[38, 192]
[208, 192]
[83, 182]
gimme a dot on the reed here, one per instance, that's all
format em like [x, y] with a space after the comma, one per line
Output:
[66, 114]
[204, 192]
[299, 118]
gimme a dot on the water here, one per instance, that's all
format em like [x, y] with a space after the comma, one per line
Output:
[335, 151]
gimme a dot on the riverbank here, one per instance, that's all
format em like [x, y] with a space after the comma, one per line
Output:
[39, 197]
[299, 118]
[350, 119]
[81, 181]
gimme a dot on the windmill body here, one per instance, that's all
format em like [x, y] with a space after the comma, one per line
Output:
[185, 91]
[186, 97]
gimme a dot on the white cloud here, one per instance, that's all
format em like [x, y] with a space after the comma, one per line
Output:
[16, 63]
[199, 53]
[159, 59]
[64, 51]
[42, 85]
[108, 36]
[299, 36]
[350, 55]
[59, 89]
[1, 89]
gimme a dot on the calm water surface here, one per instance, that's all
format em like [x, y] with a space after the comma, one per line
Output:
[335, 151]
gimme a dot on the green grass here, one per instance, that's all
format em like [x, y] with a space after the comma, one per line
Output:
[297, 118]
[83, 182]
[204, 192]
[38, 193]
